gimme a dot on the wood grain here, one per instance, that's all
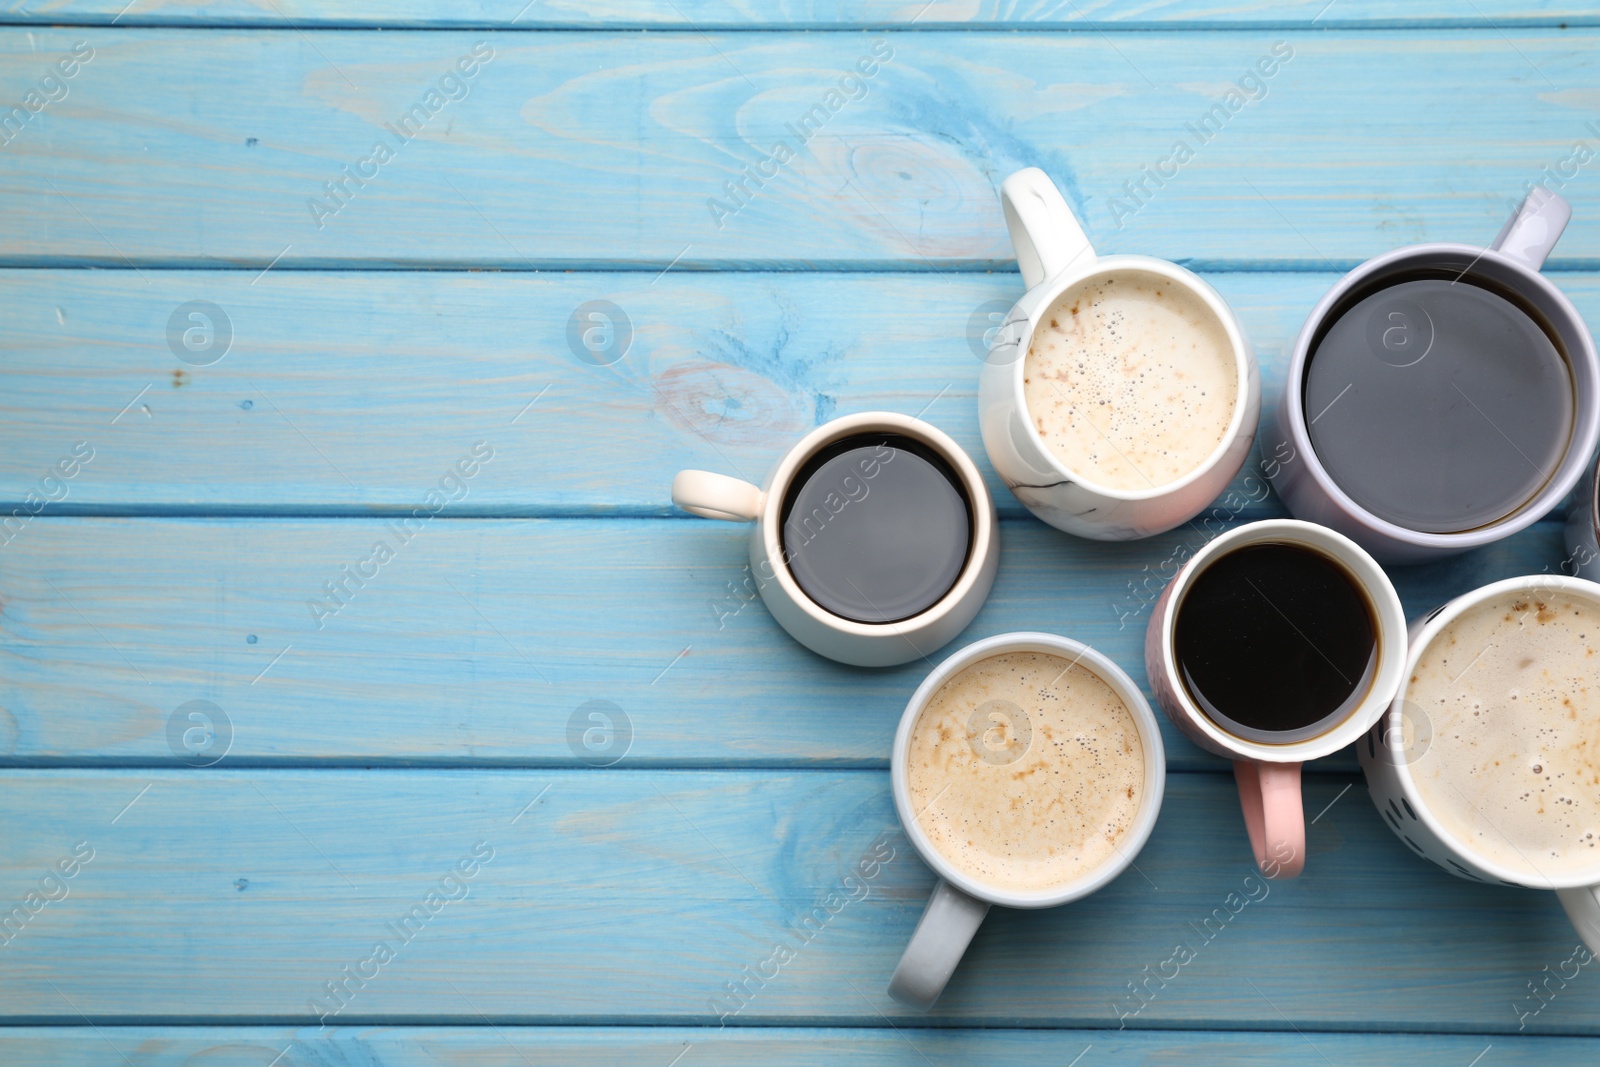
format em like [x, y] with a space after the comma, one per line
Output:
[442, 707]
[775, 1046]
[353, 393]
[481, 641]
[622, 897]
[801, 14]
[217, 161]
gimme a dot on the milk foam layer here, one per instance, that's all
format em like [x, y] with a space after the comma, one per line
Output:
[1511, 692]
[1130, 380]
[1029, 801]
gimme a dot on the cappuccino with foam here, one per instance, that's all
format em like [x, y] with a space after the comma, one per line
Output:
[1130, 380]
[1026, 771]
[1510, 691]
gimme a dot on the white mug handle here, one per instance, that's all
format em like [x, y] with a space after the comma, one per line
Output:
[937, 945]
[1044, 231]
[717, 496]
[1533, 231]
[1583, 908]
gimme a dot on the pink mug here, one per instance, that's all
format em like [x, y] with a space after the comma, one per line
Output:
[1268, 774]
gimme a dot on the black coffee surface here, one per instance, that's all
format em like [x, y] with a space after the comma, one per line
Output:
[876, 528]
[1439, 405]
[1275, 642]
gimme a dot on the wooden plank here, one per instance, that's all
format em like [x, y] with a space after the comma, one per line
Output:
[482, 642]
[804, 14]
[628, 897]
[323, 404]
[584, 1046]
[220, 160]
[354, 392]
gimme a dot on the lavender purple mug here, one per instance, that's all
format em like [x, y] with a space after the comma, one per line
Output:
[1512, 263]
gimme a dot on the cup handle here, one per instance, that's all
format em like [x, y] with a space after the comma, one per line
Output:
[937, 945]
[1532, 232]
[1044, 231]
[717, 496]
[1583, 908]
[1274, 815]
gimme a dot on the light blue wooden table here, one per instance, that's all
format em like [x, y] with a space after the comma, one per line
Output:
[403, 762]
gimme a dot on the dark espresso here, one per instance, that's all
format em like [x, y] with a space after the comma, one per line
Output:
[876, 528]
[1438, 402]
[1275, 643]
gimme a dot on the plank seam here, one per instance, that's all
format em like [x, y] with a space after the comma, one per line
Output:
[1444, 24]
[476, 1022]
[1579, 265]
[230, 766]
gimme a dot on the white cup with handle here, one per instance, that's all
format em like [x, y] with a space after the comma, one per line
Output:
[1055, 256]
[961, 899]
[783, 543]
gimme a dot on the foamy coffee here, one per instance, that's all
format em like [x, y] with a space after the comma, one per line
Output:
[1026, 771]
[1510, 691]
[1130, 380]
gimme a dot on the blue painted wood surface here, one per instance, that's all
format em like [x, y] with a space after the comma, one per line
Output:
[637, 896]
[479, 641]
[352, 393]
[806, 14]
[557, 1046]
[372, 749]
[220, 160]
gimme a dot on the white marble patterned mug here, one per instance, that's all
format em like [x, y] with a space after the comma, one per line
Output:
[1055, 257]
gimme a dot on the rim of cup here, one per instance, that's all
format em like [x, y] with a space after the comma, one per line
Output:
[1434, 622]
[1219, 309]
[1155, 768]
[1585, 432]
[1379, 592]
[1593, 474]
[979, 506]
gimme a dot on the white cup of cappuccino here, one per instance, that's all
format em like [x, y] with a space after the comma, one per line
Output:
[1120, 396]
[1486, 763]
[1015, 703]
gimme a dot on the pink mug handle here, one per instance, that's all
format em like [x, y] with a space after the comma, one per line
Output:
[1274, 815]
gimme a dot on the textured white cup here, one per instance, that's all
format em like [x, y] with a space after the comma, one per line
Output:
[1385, 760]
